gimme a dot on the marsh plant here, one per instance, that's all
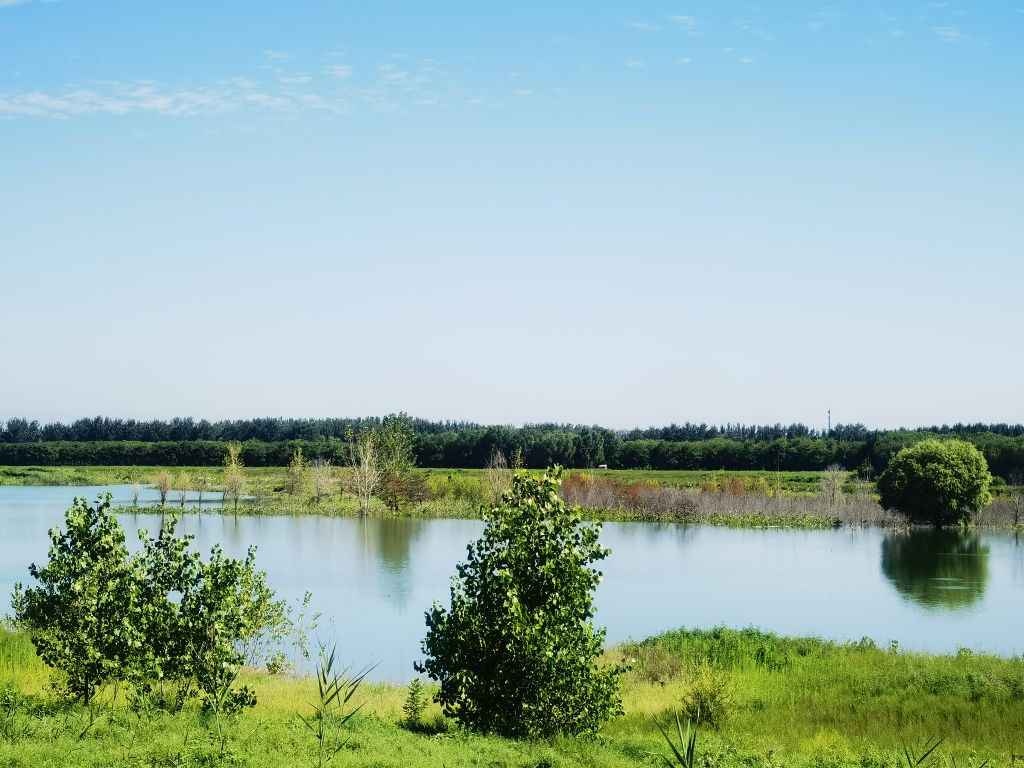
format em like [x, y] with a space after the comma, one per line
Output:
[684, 755]
[920, 757]
[331, 710]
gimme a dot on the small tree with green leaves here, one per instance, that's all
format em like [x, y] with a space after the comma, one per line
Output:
[830, 484]
[162, 482]
[939, 482]
[323, 480]
[516, 653]
[365, 471]
[185, 484]
[296, 480]
[234, 473]
[164, 614]
[395, 439]
[82, 616]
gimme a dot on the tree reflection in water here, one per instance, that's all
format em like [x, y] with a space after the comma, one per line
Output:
[937, 568]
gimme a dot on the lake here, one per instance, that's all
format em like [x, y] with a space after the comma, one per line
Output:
[372, 579]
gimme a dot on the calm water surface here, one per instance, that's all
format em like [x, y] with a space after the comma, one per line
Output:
[373, 579]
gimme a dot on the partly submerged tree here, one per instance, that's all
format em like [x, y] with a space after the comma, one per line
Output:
[516, 653]
[939, 482]
[162, 482]
[234, 473]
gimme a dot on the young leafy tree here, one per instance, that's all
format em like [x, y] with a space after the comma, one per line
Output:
[234, 473]
[185, 484]
[830, 484]
[82, 616]
[164, 614]
[162, 482]
[225, 605]
[296, 480]
[940, 482]
[322, 477]
[516, 653]
[396, 460]
[365, 470]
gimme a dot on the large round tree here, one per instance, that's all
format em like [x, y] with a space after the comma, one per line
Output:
[516, 653]
[938, 482]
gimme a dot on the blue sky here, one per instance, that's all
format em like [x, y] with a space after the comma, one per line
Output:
[615, 213]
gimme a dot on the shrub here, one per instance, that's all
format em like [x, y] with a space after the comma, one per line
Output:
[83, 615]
[940, 482]
[516, 653]
[709, 695]
[99, 614]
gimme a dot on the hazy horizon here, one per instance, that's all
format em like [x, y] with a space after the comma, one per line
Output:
[592, 213]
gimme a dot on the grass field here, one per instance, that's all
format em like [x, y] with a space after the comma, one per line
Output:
[270, 477]
[736, 499]
[779, 702]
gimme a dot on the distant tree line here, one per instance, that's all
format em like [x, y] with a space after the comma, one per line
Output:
[274, 430]
[272, 442]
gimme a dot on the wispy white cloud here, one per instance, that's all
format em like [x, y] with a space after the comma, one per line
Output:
[635, 64]
[646, 26]
[822, 19]
[754, 30]
[390, 89]
[8, 3]
[277, 55]
[686, 60]
[392, 73]
[948, 34]
[746, 60]
[691, 25]
[338, 71]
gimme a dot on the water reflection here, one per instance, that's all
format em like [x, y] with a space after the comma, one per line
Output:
[937, 568]
[389, 542]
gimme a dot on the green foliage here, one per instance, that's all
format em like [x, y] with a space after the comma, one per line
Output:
[415, 703]
[918, 758]
[709, 695]
[685, 754]
[163, 615]
[82, 615]
[234, 475]
[296, 481]
[335, 690]
[395, 440]
[836, 706]
[940, 482]
[516, 653]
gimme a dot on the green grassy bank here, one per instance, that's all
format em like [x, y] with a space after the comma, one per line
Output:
[779, 702]
[275, 477]
[736, 499]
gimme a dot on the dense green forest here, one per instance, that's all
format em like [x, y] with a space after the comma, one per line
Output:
[271, 442]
